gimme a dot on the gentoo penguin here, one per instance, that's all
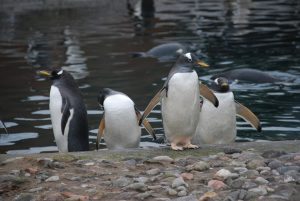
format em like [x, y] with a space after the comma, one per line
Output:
[180, 102]
[218, 126]
[248, 75]
[119, 123]
[68, 112]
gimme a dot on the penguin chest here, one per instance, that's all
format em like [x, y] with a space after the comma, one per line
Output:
[55, 106]
[217, 125]
[181, 106]
[121, 125]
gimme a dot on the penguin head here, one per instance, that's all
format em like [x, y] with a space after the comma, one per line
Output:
[102, 95]
[53, 75]
[221, 84]
[189, 59]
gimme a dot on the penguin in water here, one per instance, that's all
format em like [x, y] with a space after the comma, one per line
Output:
[248, 75]
[218, 126]
[68, 112]
[180, 102]
[120, 121]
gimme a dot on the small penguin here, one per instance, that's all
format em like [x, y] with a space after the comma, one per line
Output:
[218, 126]
[68, 112]
[120, 121]
[180, 102]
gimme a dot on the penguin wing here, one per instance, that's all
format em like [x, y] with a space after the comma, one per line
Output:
[146, 123]
[100, 131]
[208, 94]
[65, 114]
[152, 104]
[245, 113]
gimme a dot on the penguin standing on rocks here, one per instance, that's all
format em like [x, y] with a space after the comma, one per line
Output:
[218, 126]
[180, 102]
[120, 122]
[68, 112]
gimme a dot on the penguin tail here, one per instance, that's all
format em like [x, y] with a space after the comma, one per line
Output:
[138, 54]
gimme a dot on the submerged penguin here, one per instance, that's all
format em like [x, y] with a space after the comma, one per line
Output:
[248, 75]
[120, 121]
[180, 102]
[68, 112]
[218, 126]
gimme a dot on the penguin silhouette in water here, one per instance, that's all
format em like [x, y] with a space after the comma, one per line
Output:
[180, 102]
[218, 125]
[68, 112]
[248, 75]
[120, 122]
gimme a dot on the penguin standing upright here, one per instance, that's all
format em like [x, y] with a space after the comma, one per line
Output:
[119, 123]
[68, 112]
[218, 126]
[180, 102]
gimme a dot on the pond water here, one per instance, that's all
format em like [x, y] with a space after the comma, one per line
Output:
[93, 39]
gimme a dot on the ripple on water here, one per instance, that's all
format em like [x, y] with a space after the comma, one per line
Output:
[11, 138]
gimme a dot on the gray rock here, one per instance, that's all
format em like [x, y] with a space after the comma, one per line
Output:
[237, 183]
[179, 182]
[199, 166]
[154, 187]
[143, 196]
[46, 162]
[130, 162]
[259, 190]
[181, 188]
[152, 172]
[141, 179]
[284, 169]
[163, 159]
[251, 174]
[52, 179]
[138, 187]
[121, 182]
[224, 174]
[236, 163]
[182, 193]
[240, 170]
[272, 154]
[249, 184]
[274, 164]
[230, 150]
[186, 198]
[261, 180]
[25, 197]
[255, 163]
[286, 191]
[33, 190]
[233, 196]
[171, 191]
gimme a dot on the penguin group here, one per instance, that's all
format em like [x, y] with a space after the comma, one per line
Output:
[192, 113]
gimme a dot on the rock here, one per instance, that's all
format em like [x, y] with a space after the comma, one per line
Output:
[284, 169]
[142, 196]
[31, 170]
[261, 180]
[233, 196]
[187, 176]
[138, 187]
[237, 163]
[186, 198]
[179, 182]
[172, 192]
[181, 188]
[240, 170]
[199, 166]
[286, 191]
[154, 171]
[263, 169]
[249, 184]
[15, 172]
[224, 174]
[237, 183]
[33, 190]
[53, 178]
[121, 182]
[182, 193]
[130, 162]
[216, 184]
[154, 187]
[251, 174]
[259, 190]
[54, 197]
[163, 159]
[253, 164]
[272, 154]
[274, 164]
[45, 162]
[11, 160]
[74, 197]
[297, 157]
[25, 197]
[208, 196]
[230, 150]
[141, 179]
[288, 179]
[89, 164]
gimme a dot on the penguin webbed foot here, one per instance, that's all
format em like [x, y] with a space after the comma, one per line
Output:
[175, 147]
[191, 146]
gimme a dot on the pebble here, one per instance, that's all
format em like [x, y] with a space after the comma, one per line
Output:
[216, 184]
[251, 174]
[186, 198]
[138, 187]
[179, 182]
[274, 164]
[163, 159]
[53, 178]
[255, 163]
[237, 183]
[89, 164]
[229, 150]
[154, 187]
[284, 169]
[259, 190]
[141, 179]
[237, 164]
[187, 176]
[152, 172]
[224, 174]
[54, 197]
[199, 166]
[182, 193]
[249, 184]
[288, 179]
[207, 196]
[142, 196]
[273, 154]
[33, 190]
[181, 188]
[121, 182]
[240, 170]
[172, 191]
[261, 180]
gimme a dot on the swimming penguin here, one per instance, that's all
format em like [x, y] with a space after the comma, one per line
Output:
[248, 75]
[163, 52]
[68, 112]
[120, 121]
[218, 126]
[180, 102]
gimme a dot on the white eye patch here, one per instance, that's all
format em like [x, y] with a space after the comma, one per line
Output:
[188, 55]
[60, 72]
[179, 51]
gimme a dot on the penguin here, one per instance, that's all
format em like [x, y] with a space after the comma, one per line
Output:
[248, 75]
[68, 112]
[180, 102]
[218, 126]
[120, 122]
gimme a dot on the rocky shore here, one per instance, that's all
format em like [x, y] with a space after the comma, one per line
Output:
[241, 171]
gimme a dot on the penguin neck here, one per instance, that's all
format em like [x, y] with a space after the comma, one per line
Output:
[183, 68]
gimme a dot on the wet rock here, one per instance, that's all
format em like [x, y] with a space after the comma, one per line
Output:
[138, 187]
[163, 159]
[179, 182]
[152, 172]
[216, 184]
[25, 197]
[261, 180]
[52, 179]
[199, 166]
[230, 150]
[187, 176]
[255, 163]
[274, 164]
[273, 154]
[121, 182]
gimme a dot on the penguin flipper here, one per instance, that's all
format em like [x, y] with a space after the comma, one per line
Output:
[208, 94]
[4, 126]
[151, 105]
[245, 113]
[65, 114]
[146, 123]
[100, 131]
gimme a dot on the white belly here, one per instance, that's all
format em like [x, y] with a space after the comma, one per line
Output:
[217, 125]
[180, 110]
[121, 126]
[55, 106]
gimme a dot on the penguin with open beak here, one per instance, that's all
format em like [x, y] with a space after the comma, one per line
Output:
[218, 126]
[120, 122]
[68, 112]
[180, 102]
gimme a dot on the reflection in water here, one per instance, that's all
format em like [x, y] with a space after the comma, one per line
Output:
[92, 41]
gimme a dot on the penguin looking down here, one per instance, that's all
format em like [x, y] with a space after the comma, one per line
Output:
[120, 121]
[180, 102]
[68, 112]
[218, 125]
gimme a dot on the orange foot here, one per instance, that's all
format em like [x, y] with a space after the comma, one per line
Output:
[191, 146]
[175, 147]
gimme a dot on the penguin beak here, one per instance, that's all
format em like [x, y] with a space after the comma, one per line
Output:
[202, 64]
[44, 73]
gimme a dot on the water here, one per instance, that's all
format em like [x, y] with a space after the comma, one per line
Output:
[92, 41]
